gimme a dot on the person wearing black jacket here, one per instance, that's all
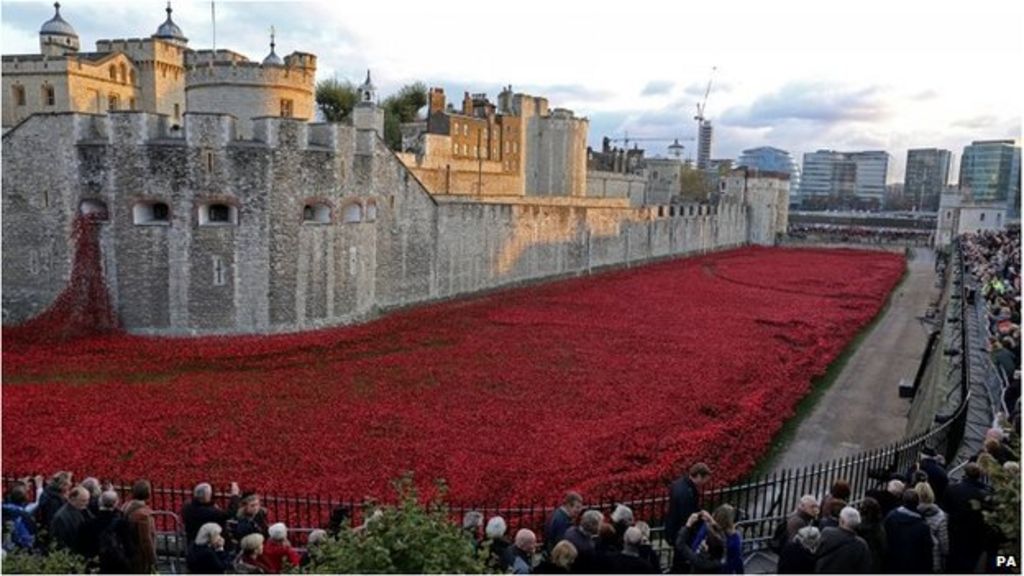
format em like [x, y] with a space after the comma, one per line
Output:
[201, 510]
[685, 499]
[908, 539]
[963, 505]
[628, 561]
[94, 527]
[66, 526]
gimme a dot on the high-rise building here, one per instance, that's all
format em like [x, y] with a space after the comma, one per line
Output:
[926, 177]
[769, 159]
[990, 172]
[704, 145]
[833, 179]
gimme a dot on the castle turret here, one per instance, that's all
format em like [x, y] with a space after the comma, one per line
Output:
[272, 59]
[367, 115]
[57, 37]
[169, 31]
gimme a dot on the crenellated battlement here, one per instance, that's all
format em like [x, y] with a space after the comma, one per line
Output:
[233, 72]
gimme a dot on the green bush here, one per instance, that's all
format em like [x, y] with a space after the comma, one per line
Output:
[404, 538]
[56, 562]
[1004, 512]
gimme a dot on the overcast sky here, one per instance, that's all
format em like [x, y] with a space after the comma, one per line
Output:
[800, 75]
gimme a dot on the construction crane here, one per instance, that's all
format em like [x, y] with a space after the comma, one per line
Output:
[704, 127]
[701, 106]
[675, 149]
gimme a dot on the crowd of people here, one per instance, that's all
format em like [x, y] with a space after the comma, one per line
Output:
[859, 234]
[993, 259]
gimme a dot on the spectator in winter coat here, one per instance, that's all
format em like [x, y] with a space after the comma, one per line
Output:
[723, 526]
[251, 517]
[890, 498]
[54, 496]
[963, 505]
[841, 551]
[250, 558]
[495, 541]
[830, 514]
[92, 485]
[622, 519]
[277, 550]
[872, 531]
[936, 520]
[519, 556]
[840, 491]
[584, 538]
[18, 519]
[66, 526]
[908, 539]
[562, 557]
[646, 550]
[206, 554]
[706, 557]
[562, 519]
[628, 561]
[106, 514]
[201, 510]
[798, 556]
[142, 530]
[684, 499]
[937, 477]
[806, 513]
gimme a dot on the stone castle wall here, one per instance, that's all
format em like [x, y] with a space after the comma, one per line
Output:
[272, 270]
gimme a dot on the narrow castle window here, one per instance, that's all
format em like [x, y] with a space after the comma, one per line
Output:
[49, 97]
[208, 156]
[18, 92]
[177, 111]
[150, 213]
[113, 72]
[131, 103]
[317, 213]
[112, 102]
[353, 213]
[124, 74]
[286, 107]
[220, 272]
[220, 213]
[217, 214]
[371, 210]
[982, 217]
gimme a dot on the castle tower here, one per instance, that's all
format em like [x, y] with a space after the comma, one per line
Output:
[226, 82]
[367, 115]
[169, 31]
[57, 37]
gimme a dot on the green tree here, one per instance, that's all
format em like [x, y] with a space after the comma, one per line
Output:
[55, 562]
[693, 184]
[335, 98]
[401, 539]
[1004, 513]
[400, 108]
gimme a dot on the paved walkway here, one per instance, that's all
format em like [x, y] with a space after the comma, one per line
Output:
[862, 409]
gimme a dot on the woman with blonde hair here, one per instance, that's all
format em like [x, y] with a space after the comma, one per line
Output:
[562, 557]
[937, 523]
[250, 559]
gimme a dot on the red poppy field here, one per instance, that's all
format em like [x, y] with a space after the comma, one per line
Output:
[610, 384]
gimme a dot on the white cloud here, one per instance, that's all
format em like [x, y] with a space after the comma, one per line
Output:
[931, 67]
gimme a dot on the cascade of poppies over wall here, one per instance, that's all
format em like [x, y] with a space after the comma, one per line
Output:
[610, 384]
[83, 308]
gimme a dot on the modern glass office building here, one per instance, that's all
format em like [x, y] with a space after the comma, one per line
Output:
[844, 176]
[927, 176]
[990, 172]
